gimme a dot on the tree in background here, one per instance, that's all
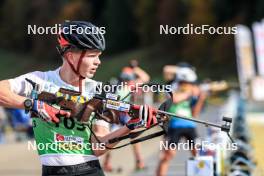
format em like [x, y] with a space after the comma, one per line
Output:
[198, 46]
[14, 18]
[146, 13]
[43, 13]
[129, 23]
[172, 13]
[259, 6]
[120, 25]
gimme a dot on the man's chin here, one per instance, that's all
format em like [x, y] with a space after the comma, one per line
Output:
[90, 75]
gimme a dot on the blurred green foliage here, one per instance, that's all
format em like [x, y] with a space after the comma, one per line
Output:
[132, 26]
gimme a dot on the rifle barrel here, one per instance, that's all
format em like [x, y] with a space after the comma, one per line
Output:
[190, 119]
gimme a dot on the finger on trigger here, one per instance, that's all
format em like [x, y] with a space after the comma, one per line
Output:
[54, 118]
[65, 113]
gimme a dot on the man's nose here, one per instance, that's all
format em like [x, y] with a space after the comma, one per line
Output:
[97, 61]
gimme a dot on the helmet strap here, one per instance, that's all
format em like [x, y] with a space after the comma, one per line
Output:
[81, 78]
[77, 71]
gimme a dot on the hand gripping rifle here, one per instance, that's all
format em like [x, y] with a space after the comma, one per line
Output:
[108, 104]
[163, 118]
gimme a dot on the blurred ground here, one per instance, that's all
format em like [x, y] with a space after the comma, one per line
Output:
[17, 160]
[256, 124]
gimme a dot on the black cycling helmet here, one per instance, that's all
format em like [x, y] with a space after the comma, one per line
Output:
[81, 35]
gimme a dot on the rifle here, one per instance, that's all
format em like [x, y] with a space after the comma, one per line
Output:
[70, 100]
[78, 105]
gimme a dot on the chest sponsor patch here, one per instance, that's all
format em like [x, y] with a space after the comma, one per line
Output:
[73, 139]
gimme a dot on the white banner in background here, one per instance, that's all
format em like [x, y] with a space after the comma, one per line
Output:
[245, 58]
[200, 166]
[257, 86]
[258, 30]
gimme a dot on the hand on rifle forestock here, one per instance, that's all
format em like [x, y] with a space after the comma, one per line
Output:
[142, 116]
[96, 106]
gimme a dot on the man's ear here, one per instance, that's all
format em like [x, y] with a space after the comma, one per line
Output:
[69, 57]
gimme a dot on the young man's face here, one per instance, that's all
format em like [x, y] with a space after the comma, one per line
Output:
[90, 62]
